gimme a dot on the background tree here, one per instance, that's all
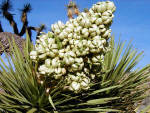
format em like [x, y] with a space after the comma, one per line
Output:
[5, 9]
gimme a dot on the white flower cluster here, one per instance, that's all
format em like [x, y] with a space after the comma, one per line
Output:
[78, 82]
[83, 40]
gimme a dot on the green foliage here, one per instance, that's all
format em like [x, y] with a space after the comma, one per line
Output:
[116, 90]
[119, 68]
[21, 90]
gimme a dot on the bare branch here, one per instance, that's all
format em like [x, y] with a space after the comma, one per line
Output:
[5, 8]
[37, 29]
[1, 29]
[27, 8]
[40, 29]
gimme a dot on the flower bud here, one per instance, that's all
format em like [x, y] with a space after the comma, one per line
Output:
[95, 27]
[58, 70]
[50, 70]
[42, 56]
[95, 42]
[40, 49]
[78, 53]
[67, 62]
[104, 18]
[103, 30]
[94, 60]
[79, 28]
[91, 46]
[75, 35]
[83, 14]
[91, 30]
[106, 34]
[55, 51]
[93, 19]
[54, 46]
[86, 35]
[60, 24]
[79, 60]
[75, 86]
[61, 35]
[93, 34]
[87, 23]
[63, 70]
[51, 54]
[86, 80]
[68, 30]
[54, 63]
[103, 41]
[50, 41]
[96, 7]
[52, 27]
[70, 35]
[84, 42]
[111, 6]
[84, 30]
[82, 22]
[78, 37]
[61, 55]
[109, 20]
[79, 18]
[91, 11]
[33, 55]
[98, 21]
[71, 60]
[98, 32]
[102, 7]
[42, 69]
[97, 38]
[47, 50]
[86, 70]
[70, 88]
[74, 66]
[101, 26]
[75, 23]
[47, 62]
[72, 54]
[106, 13]
[55, 26]
[83, 84]
[70, 26]
[64, 42]
[92, 76]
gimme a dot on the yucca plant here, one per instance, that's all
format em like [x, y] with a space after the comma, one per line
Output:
[116, 87]
[21, 92]
[117, 90]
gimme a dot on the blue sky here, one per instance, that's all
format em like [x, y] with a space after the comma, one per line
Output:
[132, 19]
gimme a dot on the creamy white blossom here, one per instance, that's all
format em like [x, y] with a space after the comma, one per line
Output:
[71, 50]
[33, 55]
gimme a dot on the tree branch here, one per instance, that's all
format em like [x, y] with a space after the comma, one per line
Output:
[1, 29]
[27, 8]
[5, 8]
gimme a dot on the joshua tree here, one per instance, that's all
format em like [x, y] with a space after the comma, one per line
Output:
[5, 9]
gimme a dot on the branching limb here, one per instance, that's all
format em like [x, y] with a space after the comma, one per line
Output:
[27, 8]
[5, 8]
[37, 29]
